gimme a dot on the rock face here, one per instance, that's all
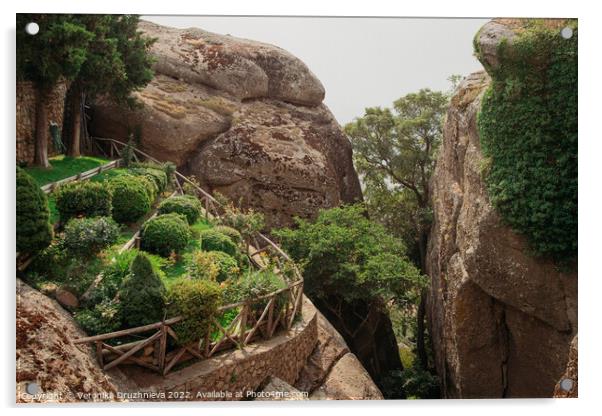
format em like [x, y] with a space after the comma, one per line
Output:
[47, 356]
[245, 118]
[568, 386]
[501, 320]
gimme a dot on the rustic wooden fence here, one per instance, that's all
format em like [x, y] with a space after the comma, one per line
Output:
[253, 319]
[48, 188]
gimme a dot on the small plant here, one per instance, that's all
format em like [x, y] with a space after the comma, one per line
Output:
[213, 265]
[34, 232]
[197, 301]
[187, 205]
[212, 240]
[87, 199]
[87, 236]
[102, 318]
[191, 188]
[127, 153]
[165, 234]
[230, 232]
[142, 294]
[253, 285]
[131, 197]
[247, 222]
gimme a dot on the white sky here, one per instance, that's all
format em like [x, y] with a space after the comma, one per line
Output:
[362, 62]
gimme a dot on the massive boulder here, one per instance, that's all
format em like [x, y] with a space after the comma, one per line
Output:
[501, 319]
[245, 118]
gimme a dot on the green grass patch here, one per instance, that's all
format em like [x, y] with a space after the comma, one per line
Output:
[64, 167]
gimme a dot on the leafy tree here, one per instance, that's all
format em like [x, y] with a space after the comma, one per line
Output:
[34, 232]
[57, 51]
[394, 152]
[117, 63]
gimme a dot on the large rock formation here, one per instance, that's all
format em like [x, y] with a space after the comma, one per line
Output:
[50, 368]
[244, 117]
[501, 320]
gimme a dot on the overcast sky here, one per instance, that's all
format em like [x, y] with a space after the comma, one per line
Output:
[362, 62]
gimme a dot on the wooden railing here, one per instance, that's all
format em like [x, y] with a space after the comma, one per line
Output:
[253, 319]
[48, 188]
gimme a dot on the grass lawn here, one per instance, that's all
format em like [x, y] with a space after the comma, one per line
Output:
[63, 167]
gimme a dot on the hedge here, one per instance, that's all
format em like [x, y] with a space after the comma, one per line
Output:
[83, 198]
[132, 198]
[165, 234]
[213, 265]
[34, 231]
[87, 236]
[157, 175]
[212, 240]
[186, 205]
[233, 233]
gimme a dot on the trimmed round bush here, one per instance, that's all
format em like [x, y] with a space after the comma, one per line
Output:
[83, 199]
[213, 265]
[165, 234]
[87, 236]
[233, 233]
[142, 294]
[132, 198]
[157, 175]
[34, 232]
[197, 302]
[212, 240]
[256, 284]
[102, 318]
[186, 205]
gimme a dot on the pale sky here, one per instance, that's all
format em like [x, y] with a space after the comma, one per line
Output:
[362, 62]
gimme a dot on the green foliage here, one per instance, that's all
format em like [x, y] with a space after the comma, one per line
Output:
[63, 167]
[131, 197]
[87, 236]
[142, 294]
[83, 198]
[34, 232]
[127, 154]
[197, 302]
[102, 318]
[246, 222]
[345, 254]
[212, 240]
[165, 234]
[187, 205]
[253, 285]
[213, 265]
[157, 175]
[528, 128]
[417, 383]
[230, 232]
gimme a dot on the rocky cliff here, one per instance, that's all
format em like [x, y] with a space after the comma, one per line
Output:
[501, 319]
[245, 118]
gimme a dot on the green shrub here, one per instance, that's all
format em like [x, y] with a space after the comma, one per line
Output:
[255, 284]
[528, 130]
[233, 233]
[165, 234]
[247, 222]
[157, 175]
[34, 231]
[83, 198]
[131, 197]
[187, 205]
[100, 319]
[87, 236]
[142, 294]
[197, 302]
[212, 240]
[213, 265]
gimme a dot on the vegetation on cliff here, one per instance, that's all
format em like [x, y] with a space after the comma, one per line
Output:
[528, 131]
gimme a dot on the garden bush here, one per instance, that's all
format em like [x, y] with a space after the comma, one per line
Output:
[157, 175]
[255, 284]
[212, 240]
[528, 132]
[34, 231]
[131, 197]
[87, 236]
[233, 233]
[142, 294]
[165, 234]
[102, 318]
[197, 302]
[246, 222]
[213, 265]
[83, 198]
[186, 205]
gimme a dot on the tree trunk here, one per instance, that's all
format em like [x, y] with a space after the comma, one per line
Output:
[75, 117]
[41, 132]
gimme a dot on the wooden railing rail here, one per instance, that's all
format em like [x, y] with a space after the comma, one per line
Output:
[50, 187]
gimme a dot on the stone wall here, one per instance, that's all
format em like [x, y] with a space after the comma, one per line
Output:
[233, 374]
[26, 118]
